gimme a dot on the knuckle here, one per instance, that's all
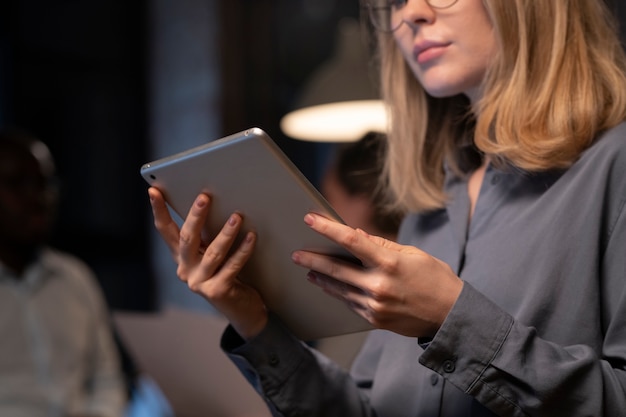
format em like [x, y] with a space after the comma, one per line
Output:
[194, 286]
[215, 292]
[239, 258]
[236, 265]
[389, 264]
[379, 290]
[334, 269]
[162, 226]
[182, 274]
[350, 239]
[378, 312]
[158, 224]
[212, 256]
[184, 237]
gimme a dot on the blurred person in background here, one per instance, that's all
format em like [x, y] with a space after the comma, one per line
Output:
[351, 184]
[58, 357]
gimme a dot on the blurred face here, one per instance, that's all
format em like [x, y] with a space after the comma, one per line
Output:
[27, 201]
[448, 48]
[355, 210]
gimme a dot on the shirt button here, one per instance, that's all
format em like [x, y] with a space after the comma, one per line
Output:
[273, 359]
[434, 379]
[448, 366]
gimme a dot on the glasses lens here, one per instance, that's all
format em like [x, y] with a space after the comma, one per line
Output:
[385, 15]
[380, 12]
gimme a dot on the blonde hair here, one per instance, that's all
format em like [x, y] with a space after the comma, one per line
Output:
[558, 79]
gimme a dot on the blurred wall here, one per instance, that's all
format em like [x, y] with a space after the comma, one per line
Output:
[184, 106]
[112, 84]
[73, 73]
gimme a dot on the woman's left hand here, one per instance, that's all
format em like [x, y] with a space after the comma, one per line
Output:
[400, 288]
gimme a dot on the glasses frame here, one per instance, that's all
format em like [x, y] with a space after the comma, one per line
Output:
[372, 10]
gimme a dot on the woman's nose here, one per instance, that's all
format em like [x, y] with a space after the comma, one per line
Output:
[414, 13]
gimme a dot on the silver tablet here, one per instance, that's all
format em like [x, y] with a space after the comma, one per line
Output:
[248, 173]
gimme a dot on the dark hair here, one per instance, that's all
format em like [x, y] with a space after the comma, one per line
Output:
[15, 139]
[358, 167]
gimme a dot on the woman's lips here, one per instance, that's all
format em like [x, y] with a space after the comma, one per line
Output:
[428, 51]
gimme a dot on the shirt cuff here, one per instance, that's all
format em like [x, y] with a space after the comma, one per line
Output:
[268, 359]
[468, 340]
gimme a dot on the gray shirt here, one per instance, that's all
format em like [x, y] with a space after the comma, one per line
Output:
[538, 330]
[57, 355]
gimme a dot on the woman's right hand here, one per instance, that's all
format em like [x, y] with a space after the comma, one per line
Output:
[210, 269]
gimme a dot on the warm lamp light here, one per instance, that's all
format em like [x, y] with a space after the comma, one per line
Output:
[344, 121]
[340, 102]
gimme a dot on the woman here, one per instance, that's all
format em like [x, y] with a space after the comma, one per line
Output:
[507, 293]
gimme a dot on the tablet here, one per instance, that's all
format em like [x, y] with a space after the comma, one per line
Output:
[248, 173]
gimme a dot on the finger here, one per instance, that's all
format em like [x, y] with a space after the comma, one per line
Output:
[358, 243]
[379, 256]
[190, 233]
[236, 261]
[336, 288]
[354, 297]
[346, 272]
[163, 222]
[381, 241]
[220, 247]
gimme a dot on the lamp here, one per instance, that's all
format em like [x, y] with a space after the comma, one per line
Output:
[343, 121]
[339, 103]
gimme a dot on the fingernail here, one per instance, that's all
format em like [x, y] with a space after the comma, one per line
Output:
[232, 220]
[311, 277]
[295, 257]
[308, 219]
[200, 201]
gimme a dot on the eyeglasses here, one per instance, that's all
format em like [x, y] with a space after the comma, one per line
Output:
[385, 16]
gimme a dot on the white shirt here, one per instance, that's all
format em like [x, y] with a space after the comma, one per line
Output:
[57, 355]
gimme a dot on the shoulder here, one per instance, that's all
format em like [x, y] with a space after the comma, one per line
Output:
[600, 174]
[609, 146]
[69, 268]
[59, 260]
[606, 159]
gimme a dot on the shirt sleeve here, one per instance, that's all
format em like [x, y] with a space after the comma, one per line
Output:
[507, 367]
[292, 378]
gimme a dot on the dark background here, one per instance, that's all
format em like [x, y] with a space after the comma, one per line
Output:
[77, 74]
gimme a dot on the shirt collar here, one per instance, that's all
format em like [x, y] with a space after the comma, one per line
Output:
[34, 275]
